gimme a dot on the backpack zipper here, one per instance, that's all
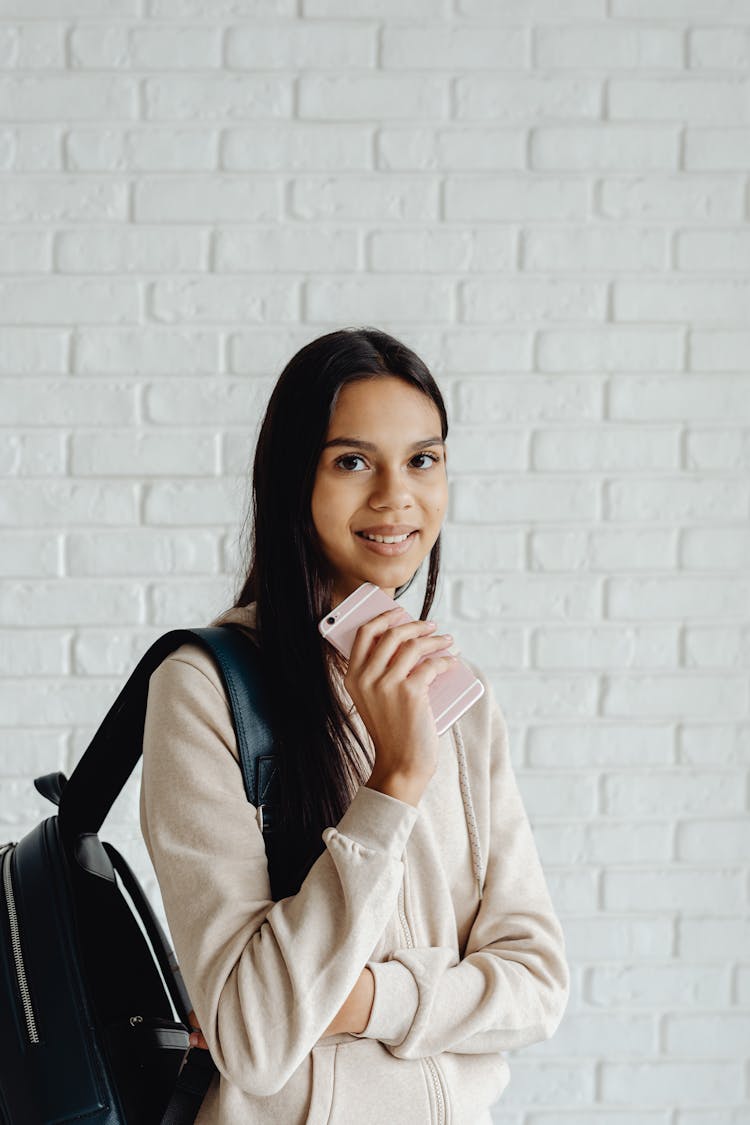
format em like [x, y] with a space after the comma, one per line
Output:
[437, 1084]
[6, 853]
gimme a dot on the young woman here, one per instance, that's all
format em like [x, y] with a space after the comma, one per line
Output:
[410, 940]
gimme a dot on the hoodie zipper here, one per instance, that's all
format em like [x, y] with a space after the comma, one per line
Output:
[437, 1084]
[6, 853]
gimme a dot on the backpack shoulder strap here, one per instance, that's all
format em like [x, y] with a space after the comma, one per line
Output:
[87, 796]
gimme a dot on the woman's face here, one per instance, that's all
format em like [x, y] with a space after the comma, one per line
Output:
[382, 470]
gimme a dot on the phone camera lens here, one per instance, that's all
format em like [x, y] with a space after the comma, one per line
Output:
[330, 620]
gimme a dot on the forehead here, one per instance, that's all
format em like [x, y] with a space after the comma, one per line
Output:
[384, 403]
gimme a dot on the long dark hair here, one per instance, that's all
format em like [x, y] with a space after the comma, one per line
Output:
[289, 578]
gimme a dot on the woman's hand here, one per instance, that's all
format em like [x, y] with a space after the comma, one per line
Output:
[199, 1040]
[389, 688]
[354, 1013]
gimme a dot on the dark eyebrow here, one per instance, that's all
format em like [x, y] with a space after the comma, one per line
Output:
[359, 444]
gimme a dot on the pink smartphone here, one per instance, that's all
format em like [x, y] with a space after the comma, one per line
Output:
[450, 694]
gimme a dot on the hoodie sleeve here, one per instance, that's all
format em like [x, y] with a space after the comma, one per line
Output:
[511, 987]
[265, 979]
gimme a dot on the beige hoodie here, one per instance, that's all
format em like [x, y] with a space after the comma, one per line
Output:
[445, 902]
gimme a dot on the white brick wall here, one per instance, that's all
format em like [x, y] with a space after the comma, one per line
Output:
[549, 202]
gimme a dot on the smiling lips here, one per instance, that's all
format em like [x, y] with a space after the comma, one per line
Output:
[388, 542]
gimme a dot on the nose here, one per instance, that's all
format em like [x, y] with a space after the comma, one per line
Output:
[391, 491]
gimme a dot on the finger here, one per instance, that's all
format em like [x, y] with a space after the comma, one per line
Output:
[369, 632]
[430, 668]
[412, 653]
[410, 637]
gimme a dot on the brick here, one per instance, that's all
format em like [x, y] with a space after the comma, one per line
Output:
[614, 348]
[683, 398]
[727, 450]
[71, 602]
[146, 350]
[713, 841]
[660, 697]
[33, 652]
[54, 199]
[210, 199]
[217, 9]
[718, 351]
[289, 249]
[210, 299]
[30, 753]
[635, 1084]
[415, 300]
[261, 351]
[302, 44]
[685, 598]
[606, 449]
[33, 46]
[639, 939]
[604, 744]
[715, 548]
[531, 399]
[607, 548]
[517, 101]
[155, 150]
[646, 986]
[79, 96]
[733, 11]
[717, 302]
[65, 402]
[517, 11]
[612, 47]
[455, 48]
[515, 197]
[35, 148]
[25, 252]
[717, 149]
[59, 300]
[703, 199]
[533, 299]
[30, 554]
[520, 597]
[140, 250]
[146, 48]
[705, 251]
[141, 552]
[719, 48]
[31, 454]
[711, 939]
[66, 503]
[182, 603]
[55, 701]
[427, 149]
[194, 504]
[308, 147]
[359, 197]
[698, 101]
[237, 402]
[672, 794]
[216, 97]
[133, 453]
[597, 249]
[604, 147]
[605, 647]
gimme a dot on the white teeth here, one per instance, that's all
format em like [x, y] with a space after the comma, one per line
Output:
[386, 538]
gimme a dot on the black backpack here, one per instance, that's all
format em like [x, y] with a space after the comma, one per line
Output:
[93, 1009]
